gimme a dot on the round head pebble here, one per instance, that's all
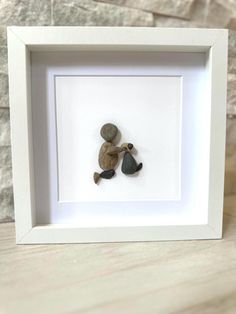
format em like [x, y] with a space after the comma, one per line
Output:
[108, 132]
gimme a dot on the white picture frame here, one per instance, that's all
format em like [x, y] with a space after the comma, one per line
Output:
[23, 41]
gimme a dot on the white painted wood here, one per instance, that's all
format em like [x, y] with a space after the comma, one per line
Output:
[73, 234]
[19, 93]
[218, 93]
[22, 40]
[113, 38]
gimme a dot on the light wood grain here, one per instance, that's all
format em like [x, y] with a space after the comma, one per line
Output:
[163, 277]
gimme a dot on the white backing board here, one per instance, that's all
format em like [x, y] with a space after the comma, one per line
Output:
[144, 108]
[187, 68]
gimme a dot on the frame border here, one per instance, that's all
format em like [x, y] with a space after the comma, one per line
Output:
[23, 40]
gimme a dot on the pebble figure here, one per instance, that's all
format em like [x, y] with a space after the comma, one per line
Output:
[109, 153]
[129, 164]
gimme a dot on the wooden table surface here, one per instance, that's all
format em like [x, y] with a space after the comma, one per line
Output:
[183, 277]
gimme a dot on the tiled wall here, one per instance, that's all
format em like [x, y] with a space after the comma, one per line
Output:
[159, 13]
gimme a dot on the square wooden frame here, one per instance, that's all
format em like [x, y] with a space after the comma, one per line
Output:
[23, 40]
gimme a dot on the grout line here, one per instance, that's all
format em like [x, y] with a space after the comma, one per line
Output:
[51, 12]
[205, 12]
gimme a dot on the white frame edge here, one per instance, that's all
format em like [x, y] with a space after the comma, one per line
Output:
[23, 40]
